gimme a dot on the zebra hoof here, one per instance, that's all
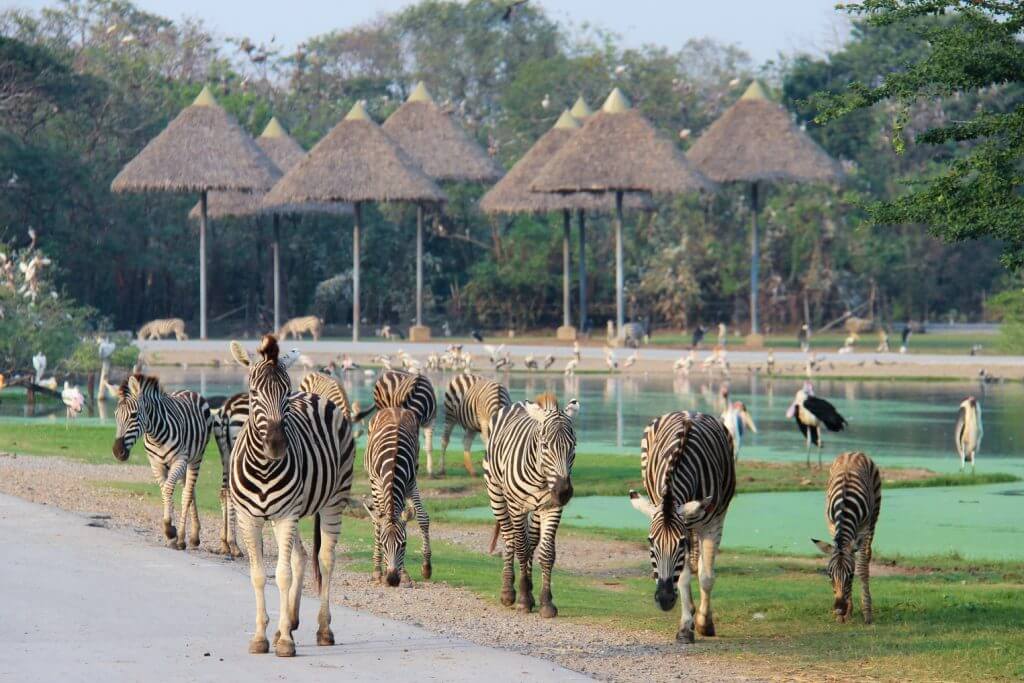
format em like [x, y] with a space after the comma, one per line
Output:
[235, 551]
[376, 577]
[549, 611]
[193, 542]
[225, 549]
[259, 646]
[170, 531]
[525, 604]
[508, 598]
[325, 637]
[685, 635]
[180, 545]
[867, 618]
[706, 627]
[427, 570]
[285, 648]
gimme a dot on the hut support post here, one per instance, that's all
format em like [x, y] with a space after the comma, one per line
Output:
[358, 210]
[202, 264]
[419, 265]
[566, 265]
[620, 299]
[277, 272]
[755, 258]
[581, 219]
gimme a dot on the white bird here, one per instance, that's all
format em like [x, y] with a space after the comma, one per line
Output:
[48, 383]
[620, 69]
[723, 334]
[609, 359]
[685, 362]
[684, 133]
[549, 360]
[632, 359]
[546, 102]
[39, 363]
[106, 348]
[734, 82]
[128, 39]
[576, 350]
[494, 352]
[968, 432]
[570, 367]
[770, 363]
[73, 401]
[736, 417]
[530, 362]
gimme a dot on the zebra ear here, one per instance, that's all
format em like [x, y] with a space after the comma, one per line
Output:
[241, 356]
[288, 359]
[822, 546]
[572, 408]
[695, 509]
[641, 503]
[134, 388]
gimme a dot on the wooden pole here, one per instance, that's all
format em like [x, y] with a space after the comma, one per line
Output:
[419, 265]
[277, 272]
[202, 265]
[755, 258]
[620, 296]
[355, 270]
[582, 220]
[566, 265]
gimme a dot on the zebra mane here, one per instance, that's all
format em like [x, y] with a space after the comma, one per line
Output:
[547, 401]
[269, 348]
[668, 506]
[403, 390]
[122, 390]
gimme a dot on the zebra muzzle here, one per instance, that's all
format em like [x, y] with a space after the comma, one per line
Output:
[562, 490]
[665, 595]
[393, 578]
[275, 445]
[120, 452]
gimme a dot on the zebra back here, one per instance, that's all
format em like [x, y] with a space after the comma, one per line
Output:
[391, 458]
[471, 401]
[398, 389]
[853, 498]
[329, 388]
[176, 424]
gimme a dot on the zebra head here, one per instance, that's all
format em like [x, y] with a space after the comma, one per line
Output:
[127, 417]
[670, 539]
[269, 387]
[840, 571]
[556, 445]
[390, 529]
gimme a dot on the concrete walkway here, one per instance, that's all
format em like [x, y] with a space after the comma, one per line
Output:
[84, 603]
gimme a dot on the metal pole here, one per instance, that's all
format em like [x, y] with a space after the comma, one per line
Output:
[419, 265]
[277, 272]
[755, 258]
[566, 265]
[620, 297]
[202, 265]
[582, 220]
[355, 271]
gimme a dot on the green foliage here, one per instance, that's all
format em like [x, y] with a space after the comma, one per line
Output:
[86, 357]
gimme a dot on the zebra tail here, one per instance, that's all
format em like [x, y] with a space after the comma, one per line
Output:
[358, 417]
[318, 578]
[494, 537]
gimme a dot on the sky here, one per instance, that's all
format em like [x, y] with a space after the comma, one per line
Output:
[762, 27]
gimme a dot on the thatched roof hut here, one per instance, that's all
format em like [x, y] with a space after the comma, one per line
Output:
[581, 111]
[618, 150]
[202, 149]
[355, 162]
[436, 143]
[756, 140]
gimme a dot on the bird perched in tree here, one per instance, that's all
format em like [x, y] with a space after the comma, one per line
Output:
[968, 431]
[698, 336]
[73, 401]
[810, 413]
[510, 10]
[735, 417]
[39, 363]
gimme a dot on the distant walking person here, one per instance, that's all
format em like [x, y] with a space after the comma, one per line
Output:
[968, 431]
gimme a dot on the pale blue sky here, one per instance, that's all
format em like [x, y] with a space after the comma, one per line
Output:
[762, 27]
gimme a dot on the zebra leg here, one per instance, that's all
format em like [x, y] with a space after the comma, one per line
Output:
[685, 632]
[863, 570]
[467, 446]
[708, 549]
[298, 562]
[376, 576]
[549, 527]
[160, 474]
[446, 437]
[232, 529]
[175, 536]
[188, 503]
[225, 522]
[428, 444]
[424, 522]
[252, 534]
[330, 527]
[524, 554]
[285, 531]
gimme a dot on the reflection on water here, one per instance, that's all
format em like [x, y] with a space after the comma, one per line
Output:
[888, 420]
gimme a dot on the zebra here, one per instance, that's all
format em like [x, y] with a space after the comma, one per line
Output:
[293, 458]
[156, 329]
[470, 401]
[398, 389]
[688, 470]
[228, 420]
[391, 461]
[176, 428]
[527, 470]
[968, 431]
[853, 499]
[296, 327]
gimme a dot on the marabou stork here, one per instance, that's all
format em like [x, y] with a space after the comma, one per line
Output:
[968, 431]
[810, 413]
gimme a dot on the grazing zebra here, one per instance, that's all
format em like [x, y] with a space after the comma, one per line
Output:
[293, 458]
[528, 470]
[470, 401]
[296, 327]
[688, 470]
[968, 431]
[391, 461]
[176, 428]
[853, 499]
[228, 420]
[398, 389]
[157, 329]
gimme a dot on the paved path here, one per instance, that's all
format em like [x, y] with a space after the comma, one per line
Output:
[81, 603]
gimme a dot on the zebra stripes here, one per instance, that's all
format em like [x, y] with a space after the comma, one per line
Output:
[293, 458]
[853, 499]
[528, 470]
[176, 428]
[688, 471]
[398, 389]
[228, 421]
[391, 461]
[469, 402]
[329, 388]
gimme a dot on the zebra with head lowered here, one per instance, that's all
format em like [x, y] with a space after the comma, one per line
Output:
[688, 470]
[398, 389]
[470, 402]
[293, 458]
[528, 469]
[391, 461]
[176, 428]
[853, 499]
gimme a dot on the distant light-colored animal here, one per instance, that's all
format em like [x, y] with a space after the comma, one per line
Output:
[530, 362]
[610, 360]
[470, 402]
[164, 327]
[576, 350]
[856, 325]
[570, 367]
[723, 334]
[39, 364]
[770, 363]
[849, 343]
[883, 340]
[296, 327]
[853, 500]
[736, 417]
[968, 432]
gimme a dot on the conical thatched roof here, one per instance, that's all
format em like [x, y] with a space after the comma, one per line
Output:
[284, 152]
[756, 139]
[617, 149]
[355, 162]
[581, 111]
[512, 193]
[203, 148]
[440, 147]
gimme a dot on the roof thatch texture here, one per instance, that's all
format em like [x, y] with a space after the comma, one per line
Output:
[617, 149]
[755, 139]
[355, 162]
[512, 193]
[203, 148]
[436, 143]
[284, 152]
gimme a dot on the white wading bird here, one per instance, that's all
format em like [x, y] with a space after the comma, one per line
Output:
[968, 431]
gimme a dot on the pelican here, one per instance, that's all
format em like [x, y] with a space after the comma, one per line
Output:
[39, 363]
[736, 417]
[810, 413]
[73, 401]
[968, 431]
